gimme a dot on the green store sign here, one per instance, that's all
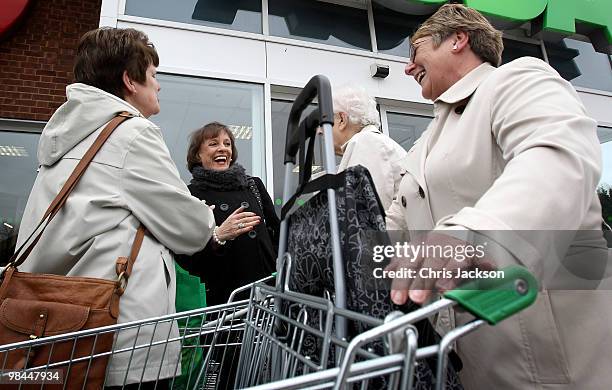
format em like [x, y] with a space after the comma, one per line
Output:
[554, 18]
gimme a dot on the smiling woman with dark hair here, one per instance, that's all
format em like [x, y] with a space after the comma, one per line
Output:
[244, 243]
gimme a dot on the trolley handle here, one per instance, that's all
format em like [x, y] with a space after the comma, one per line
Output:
[318, 86]
[495, 299]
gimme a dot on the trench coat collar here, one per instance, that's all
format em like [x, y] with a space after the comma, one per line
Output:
[458, 92]
[465, 87]
[370, 128]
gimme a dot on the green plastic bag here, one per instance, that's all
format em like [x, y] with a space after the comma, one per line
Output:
[190, 294]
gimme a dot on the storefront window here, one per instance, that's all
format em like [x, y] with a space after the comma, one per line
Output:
[406, 129]
[188, 103]
[320, 22]
[393, 29]
[19, 164]
[579, 63]
[605, 184]
[241, 15]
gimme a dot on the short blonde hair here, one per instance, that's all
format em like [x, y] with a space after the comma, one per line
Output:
[485, 41]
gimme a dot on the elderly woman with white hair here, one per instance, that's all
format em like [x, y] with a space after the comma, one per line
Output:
[358, 139]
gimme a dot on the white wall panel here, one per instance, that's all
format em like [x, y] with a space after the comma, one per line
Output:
[109, 8]
[206, 54]
[294, 66]
[108, 13]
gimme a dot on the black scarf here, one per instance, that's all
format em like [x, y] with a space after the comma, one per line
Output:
[232, 178]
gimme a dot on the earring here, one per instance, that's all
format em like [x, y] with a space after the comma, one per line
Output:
[455, 46]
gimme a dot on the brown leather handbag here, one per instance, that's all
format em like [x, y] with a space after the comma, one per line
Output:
[35, 305]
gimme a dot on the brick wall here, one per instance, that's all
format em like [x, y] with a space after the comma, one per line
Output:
[36, 58]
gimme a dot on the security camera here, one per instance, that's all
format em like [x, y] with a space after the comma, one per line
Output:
[379, 70]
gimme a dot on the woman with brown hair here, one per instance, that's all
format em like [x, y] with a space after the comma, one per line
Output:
[131, 181]
[244, 243]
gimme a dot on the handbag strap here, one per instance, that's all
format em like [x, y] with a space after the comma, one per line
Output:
[19, 257]
[124, 265]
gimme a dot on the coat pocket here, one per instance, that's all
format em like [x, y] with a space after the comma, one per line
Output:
[543, 344]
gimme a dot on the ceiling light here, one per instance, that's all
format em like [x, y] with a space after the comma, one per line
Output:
[13, 151]
[241, 132]
[315, 169]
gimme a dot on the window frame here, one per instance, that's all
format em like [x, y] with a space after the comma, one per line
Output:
[401, 107]
[21, 125]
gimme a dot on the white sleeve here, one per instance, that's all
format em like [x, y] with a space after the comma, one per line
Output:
[552, 153]
[156, 195]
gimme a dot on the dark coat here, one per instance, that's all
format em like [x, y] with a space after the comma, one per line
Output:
[250, 256]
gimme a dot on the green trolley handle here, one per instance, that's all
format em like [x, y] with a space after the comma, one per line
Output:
[495, 299]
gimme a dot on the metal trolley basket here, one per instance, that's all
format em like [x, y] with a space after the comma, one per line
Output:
[253, 343]
[238, 345]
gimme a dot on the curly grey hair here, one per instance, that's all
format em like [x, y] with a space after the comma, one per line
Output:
[357, 103]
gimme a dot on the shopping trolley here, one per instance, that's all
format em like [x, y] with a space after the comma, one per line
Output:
[251, 344]
[208, 340]
[259, 342]
[270, 360]
[273, 354]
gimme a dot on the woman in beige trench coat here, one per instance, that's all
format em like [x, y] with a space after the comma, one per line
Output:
[511, 155]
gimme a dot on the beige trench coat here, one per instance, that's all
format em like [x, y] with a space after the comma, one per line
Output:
[522, 155]
[131, 180]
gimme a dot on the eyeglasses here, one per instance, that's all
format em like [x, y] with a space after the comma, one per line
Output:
[412, 50]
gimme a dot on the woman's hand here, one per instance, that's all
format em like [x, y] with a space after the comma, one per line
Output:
[437, 262]
[239, 222]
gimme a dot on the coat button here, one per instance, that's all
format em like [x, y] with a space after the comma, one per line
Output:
[421, 192]
[403, 201]
[245, 205]
[223, 207]
[459, 109]
[252, 234]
